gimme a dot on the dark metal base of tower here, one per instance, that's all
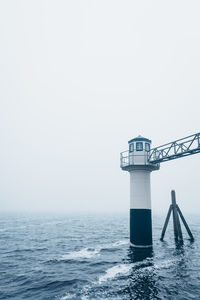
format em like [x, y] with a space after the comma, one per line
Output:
[140, 228]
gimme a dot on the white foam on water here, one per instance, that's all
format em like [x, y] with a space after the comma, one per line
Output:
[85, 290]
[123, 269]
[83, 253]
[91, 252]
[67, 296]
[165, 264]
[115, 271]
[119, 243]
[113, 245]
[84, 298]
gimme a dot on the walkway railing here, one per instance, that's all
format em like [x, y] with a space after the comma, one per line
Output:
[129, 159]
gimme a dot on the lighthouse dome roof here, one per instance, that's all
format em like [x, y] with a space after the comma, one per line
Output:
[140, 138]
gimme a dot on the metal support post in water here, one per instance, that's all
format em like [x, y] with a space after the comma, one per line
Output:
[174, 208]
[177, 226]
[166, 223]
[185, 223]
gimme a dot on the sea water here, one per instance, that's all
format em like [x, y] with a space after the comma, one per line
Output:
[89, 257]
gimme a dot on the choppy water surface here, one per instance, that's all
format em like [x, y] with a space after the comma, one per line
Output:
[89, 257]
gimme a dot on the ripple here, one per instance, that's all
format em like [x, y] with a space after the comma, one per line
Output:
[89, 259]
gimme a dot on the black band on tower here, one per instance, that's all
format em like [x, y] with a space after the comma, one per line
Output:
[140, 227]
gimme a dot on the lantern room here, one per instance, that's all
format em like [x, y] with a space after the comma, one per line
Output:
[137, 156]
[139, 144]
[138, 149]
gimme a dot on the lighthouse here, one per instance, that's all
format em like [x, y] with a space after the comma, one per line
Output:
[136, 162]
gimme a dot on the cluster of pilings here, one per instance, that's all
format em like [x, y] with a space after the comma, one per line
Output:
[174, 208]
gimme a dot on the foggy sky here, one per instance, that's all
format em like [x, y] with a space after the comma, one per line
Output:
[78, 79]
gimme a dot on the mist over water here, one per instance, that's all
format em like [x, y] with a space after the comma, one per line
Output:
[88, 257]
[78, 79]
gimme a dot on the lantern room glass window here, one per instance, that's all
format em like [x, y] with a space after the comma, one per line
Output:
[131, 147]
[139, 146]
[147, 146]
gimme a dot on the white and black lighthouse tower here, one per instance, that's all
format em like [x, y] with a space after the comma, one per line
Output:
[136, 162]
[140, 160]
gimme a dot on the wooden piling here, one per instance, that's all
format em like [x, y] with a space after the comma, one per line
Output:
[185, 223]
[177, 226]
[166, 223]
[174, 208]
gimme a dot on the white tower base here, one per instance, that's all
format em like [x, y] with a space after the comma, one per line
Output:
[140, 208]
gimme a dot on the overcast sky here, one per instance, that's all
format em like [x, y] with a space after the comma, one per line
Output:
[78, 79]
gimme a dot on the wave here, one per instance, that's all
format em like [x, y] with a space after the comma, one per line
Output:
[87, 253]
[115, 271]
[119, 243]
[121, 269]
[67, 296]
[118, 270]
[84, 253]
[124, 269]
[25, 250]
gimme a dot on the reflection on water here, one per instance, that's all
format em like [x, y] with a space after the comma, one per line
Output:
[150, 271]
[139, 254]
[142, 279]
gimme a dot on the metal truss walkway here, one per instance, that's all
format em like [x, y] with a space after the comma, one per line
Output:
[179, 148]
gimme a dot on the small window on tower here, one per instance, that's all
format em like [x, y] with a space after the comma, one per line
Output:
[147, 146]
[139, 146]
[131, 147]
